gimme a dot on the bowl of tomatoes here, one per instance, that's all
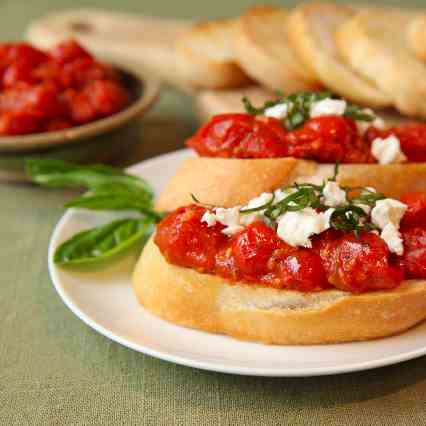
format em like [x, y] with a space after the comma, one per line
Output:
[64, 95]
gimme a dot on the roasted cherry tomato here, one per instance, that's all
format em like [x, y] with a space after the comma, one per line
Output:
[359, 264]
[414, 259]
[254, 247]
[19, 123]
[411, 136]
[46, 92]
[240, 136]
[68, 51]
[186, 241]
[303, 271]
[415, 214]
[328, 139]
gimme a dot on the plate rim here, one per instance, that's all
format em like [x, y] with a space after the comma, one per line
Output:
[206, 365]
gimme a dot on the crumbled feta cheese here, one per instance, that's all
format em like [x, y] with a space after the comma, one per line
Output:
[328, 107]
[231, 230]
[387, 150]
[295, 228]
[392, 237]
[388, 211]
[261, 200]
[209, 218]
[378, 122]
[281, 194]
[278, 111]
[334, 196]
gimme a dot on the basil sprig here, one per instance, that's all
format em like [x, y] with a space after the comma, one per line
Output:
[109, 189]
[103, 242]
[299, 107]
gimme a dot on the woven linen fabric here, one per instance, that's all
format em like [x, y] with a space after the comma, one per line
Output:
[54, 370]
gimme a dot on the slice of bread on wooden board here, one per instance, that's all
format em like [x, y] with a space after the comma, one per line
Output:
[261, 48]
[311, 29]
[254, 312]
[206, 56]
[374, 42]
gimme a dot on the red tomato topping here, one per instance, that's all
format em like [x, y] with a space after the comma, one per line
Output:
[257, 255]
[360, 264]
[326, 139]
[186, 241]
[411, 136]
[44, 92]
[240, 136]
[415, 214]
[414, 258]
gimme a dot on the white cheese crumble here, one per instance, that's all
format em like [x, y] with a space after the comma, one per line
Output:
[295, 228]
[262, 199]
[392, 237]
[388, 211]
[278, 111]
[334, 196]
[388, 150]
[228, 217]
[328, 107]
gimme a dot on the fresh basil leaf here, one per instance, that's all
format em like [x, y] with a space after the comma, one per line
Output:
[102, 242]
[114, 201]
[60, 174]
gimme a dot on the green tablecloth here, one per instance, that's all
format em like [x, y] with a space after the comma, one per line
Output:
[54, 370]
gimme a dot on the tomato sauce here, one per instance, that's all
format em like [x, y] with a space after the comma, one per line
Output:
[323, 139]
[357, 264]
[53, 90]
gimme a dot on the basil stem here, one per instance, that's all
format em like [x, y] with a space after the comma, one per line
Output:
[102, 242]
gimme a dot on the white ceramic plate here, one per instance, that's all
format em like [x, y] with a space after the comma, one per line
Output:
[104, 301]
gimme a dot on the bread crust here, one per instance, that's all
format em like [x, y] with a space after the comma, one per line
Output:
[229, 182]
[374, 43]
[261, 48]
[249, 312]
[416, 36]
[206, 58]
[313, 42]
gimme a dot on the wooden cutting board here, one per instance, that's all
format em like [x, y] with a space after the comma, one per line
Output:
[147, 42]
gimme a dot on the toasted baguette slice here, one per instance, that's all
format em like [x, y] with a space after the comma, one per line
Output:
[416, 36]
[374, 43]
[250, 312]
[261, 48]
[230, 182]
[311, 28]
[206, 57]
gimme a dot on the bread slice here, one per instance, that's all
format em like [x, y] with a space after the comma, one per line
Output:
[206, 57]
[374, 43]
[416, 36]
[230, 182]
[261, 48]
[311, 29]
[250, 312]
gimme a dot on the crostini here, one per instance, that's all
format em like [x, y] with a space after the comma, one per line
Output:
[304, 264]
[297, 139]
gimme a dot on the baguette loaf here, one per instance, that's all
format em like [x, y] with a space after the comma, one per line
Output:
[229, 182]
[206, 57]
[311, 29]
[374, 43]
[261, 48]
[210, 303]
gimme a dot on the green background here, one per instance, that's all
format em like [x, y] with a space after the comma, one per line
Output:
[54, 370]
